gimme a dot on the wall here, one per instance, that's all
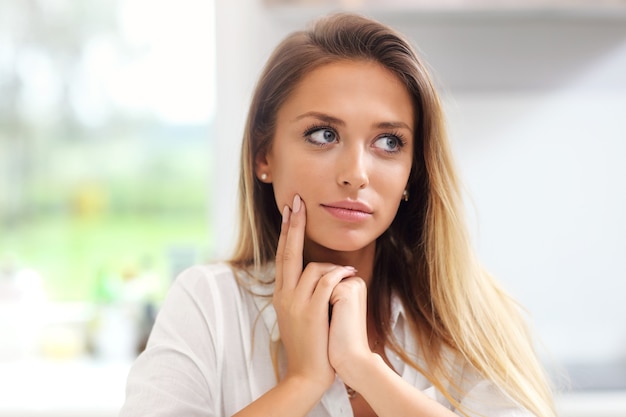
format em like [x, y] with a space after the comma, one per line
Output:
[536, 109]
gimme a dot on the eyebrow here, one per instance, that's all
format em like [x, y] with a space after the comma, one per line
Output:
[333, 120]
[394, 125]
[321, 116]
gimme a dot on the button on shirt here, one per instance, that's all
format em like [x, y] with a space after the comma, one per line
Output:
[209, 354]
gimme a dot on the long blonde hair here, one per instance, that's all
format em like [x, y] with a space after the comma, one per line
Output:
[425, 256]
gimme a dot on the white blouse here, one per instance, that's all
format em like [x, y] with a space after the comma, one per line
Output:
[209, 355]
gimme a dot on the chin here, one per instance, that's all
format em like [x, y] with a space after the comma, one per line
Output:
[341, 243]
[344, 247]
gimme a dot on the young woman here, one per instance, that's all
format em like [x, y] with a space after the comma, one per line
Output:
[353, 289]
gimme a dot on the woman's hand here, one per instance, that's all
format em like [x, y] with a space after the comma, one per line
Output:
[348, 342]
[301, 300]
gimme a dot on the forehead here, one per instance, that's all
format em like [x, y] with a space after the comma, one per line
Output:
[343, 85]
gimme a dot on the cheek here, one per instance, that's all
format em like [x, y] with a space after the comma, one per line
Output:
[293, 177]
[391, 180]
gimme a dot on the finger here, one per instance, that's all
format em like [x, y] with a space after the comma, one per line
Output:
[325, 286]
[282, 239]
[315, 272]
[352, 288]
[294, 245]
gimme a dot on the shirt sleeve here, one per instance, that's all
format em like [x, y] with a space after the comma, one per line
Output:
[176, 374]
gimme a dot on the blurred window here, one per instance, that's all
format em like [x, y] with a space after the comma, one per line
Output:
[105, 118]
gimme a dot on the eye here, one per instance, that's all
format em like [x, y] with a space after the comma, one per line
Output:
[389, 143]
[321, 135]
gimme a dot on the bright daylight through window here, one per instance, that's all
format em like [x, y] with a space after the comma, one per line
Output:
[105, 128]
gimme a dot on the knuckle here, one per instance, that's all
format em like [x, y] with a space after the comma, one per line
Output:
[359, 283]
[313, 267]
[352, 286]
[287, 255]
[319, 268]
[293, 222]
[326, 282]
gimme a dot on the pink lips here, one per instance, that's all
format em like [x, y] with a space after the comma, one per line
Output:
[351, 211]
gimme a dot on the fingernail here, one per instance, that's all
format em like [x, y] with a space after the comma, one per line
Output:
[296, 203]
[285, 214]
[351, 268]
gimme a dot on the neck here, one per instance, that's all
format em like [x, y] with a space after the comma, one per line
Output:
[362, 259]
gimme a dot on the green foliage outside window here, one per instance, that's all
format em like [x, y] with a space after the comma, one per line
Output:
[105, 126]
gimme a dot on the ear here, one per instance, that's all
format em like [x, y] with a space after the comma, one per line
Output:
[262, 167]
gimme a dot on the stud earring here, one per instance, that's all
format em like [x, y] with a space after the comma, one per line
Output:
[405, 195]
[263, 176]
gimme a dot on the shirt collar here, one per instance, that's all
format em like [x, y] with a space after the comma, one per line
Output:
[397, 310]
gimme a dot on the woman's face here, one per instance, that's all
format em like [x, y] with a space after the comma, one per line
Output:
[344, 143]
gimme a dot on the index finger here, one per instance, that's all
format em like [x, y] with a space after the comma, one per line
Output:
[290, 246]
[282, 238]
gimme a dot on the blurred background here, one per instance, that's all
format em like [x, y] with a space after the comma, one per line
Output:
[120, 124]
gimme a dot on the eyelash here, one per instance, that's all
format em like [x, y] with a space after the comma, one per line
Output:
[395, 134]
[315, 127]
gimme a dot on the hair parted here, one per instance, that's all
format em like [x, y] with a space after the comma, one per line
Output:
[425, 257]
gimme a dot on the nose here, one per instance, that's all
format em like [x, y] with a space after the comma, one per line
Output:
[352, 168]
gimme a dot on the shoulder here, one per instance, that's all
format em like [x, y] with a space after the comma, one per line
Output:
[198, 294]
[203, 274]
[201, 297]
[219, 285]
[219, 297]
[225, 274]
[205, 281]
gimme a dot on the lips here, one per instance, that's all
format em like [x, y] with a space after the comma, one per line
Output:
[352, 211]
